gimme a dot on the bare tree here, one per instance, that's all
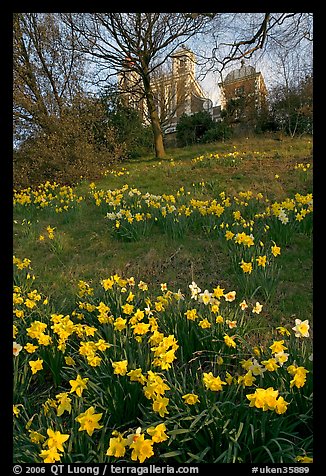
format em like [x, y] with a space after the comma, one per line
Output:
[136, 42]
[236, 36]
[47, 69]
[291, 97]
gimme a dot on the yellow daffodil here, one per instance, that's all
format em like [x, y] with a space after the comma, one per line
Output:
[120, 368]
[56, 439]
[117, 446]
[141, 449]
[50, 455]
[36, 365]
[89, 421]
[212, 383]
[190, 398]
[78, 385]
[229, 341]
[158, 433]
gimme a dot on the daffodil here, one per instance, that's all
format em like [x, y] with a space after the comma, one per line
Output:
[16, 348]
[158, 433]
[299, 376]
[281, 405]
[136, 375]
[266, 399]
[261, 261]
[36, 365]
[243, 305]
[89, 420]
[205, 297]
[69, 361]
[64, 403]
[246, 267]
[301, 328]
[195, 290]
[36, 437]
[120, 367]
[230, 296]
[78, 385]
[141, 449]
[281, 357]
[231, 324]
[120, 324]
[107, 283]
[229, 341]
[283, 331]
[256, 368]
[219, 319]
[276, 250]
[190, 398]
[246, 380]
[304, 459]
[212, 383]
[218, 292]
[191, 314]
[50, 455]
[30, 348]
[204, 324]
[160, 404]
[270, 364]
[117, 446]
[257, 308]
[16, 409]
[277, 346]
[56, 439]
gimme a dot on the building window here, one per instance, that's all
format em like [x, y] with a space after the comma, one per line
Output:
[182, 65]
[239, 91]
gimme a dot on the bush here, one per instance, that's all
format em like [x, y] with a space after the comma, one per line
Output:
[83, 141]
[67, 148]
[127, 122]
[219, 132]
[191, 129]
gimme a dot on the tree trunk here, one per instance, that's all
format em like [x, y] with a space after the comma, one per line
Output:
[155, 122]
[156, 127]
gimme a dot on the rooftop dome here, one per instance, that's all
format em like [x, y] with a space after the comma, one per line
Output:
[241, 72]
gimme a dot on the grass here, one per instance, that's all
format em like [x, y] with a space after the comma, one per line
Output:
[250, 177]
[88, 251]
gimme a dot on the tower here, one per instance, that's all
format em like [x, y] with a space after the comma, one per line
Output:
[244, 89]
[175, 93]
[183, 62]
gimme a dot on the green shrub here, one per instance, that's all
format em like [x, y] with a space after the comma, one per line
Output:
[191, 129]
[219, 132]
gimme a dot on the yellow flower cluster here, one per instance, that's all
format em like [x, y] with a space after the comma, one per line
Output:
[223, 157]
[108, 334]
[52, 195]
[142, 447]
[302, 166]
[116, 173]
[267, 399]
[54, 446]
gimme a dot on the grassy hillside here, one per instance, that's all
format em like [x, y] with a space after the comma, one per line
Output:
[84, 247]
[163, 312]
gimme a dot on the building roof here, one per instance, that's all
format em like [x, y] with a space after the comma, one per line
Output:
[181, 51]
[242, 72]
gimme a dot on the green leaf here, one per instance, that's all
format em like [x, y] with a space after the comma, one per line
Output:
[171, 454]
[178, 431]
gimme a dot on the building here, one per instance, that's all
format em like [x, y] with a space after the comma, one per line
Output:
[176, 92]
[243, 94]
